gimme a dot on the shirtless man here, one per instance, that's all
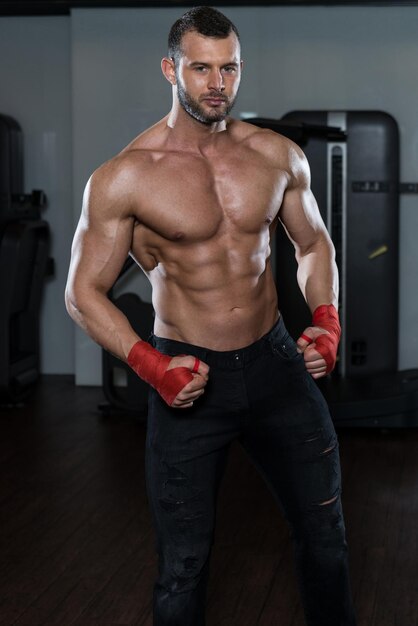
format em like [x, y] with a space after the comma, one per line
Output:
[196, 200]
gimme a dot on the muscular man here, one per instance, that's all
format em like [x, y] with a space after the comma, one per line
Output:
[196, 200]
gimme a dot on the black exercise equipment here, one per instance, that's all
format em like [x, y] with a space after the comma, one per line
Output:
[356, 184]
[24, 263]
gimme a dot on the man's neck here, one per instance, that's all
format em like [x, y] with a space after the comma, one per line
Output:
[188, 133]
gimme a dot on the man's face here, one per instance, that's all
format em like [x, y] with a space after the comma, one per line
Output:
[208, 75]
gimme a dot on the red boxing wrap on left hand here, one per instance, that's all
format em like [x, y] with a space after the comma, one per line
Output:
[326, 316]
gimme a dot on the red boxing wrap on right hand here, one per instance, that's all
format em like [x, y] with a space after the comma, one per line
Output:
[326, 316]
[152, 366]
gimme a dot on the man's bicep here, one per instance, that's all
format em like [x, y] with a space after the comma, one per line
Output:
[299, 211]
[100, 252]
[101, 243]
[301, 218]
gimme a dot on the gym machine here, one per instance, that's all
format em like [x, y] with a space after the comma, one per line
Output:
[24, 263]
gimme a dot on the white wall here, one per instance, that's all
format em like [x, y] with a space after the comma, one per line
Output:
[307, 57]
[35, 89]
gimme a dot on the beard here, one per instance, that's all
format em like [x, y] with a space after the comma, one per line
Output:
[196, 110]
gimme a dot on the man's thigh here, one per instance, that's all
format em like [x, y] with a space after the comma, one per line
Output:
[290, 436]
[186, 455]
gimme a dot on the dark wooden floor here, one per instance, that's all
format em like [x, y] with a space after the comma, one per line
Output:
[77, 545]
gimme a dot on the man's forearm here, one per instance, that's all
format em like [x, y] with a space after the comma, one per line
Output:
[103, 322]
[109, 327]
[318, 275]
[318, 280]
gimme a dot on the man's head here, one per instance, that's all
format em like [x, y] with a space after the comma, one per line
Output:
[204, 21]
[204, 63]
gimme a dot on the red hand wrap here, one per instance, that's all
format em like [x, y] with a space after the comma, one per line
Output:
[326, 317]
[151, 366]
[306, 338]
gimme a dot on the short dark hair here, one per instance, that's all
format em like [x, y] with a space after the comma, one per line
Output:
[205, 21]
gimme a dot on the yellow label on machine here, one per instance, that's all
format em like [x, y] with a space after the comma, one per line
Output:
[378, 252]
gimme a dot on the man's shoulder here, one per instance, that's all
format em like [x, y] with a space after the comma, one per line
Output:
[113, 172]
[278, 151]
[118, 181]
[269, 143]
[111, 187]
[129, 162]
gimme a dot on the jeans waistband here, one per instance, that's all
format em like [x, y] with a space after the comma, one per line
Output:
[230, 359]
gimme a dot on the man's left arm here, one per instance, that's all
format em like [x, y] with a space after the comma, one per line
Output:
[317, 273]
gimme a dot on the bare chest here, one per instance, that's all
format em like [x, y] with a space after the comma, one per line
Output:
[193, 198]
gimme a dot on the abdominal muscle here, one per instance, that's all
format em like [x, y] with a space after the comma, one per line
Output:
[224, 304]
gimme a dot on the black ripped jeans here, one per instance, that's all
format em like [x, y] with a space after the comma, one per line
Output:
[263, 396]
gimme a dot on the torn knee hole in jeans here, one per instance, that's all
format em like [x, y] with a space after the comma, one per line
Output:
[178, 496]
[183, 510]
[331, 500]
[314, 436]
[180, 508]
[174, 476]
[328, 501]
[329, 448]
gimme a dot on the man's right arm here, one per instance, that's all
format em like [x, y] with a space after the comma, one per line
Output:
[101, 244]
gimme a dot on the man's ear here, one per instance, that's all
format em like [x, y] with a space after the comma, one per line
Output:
[168, 69]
